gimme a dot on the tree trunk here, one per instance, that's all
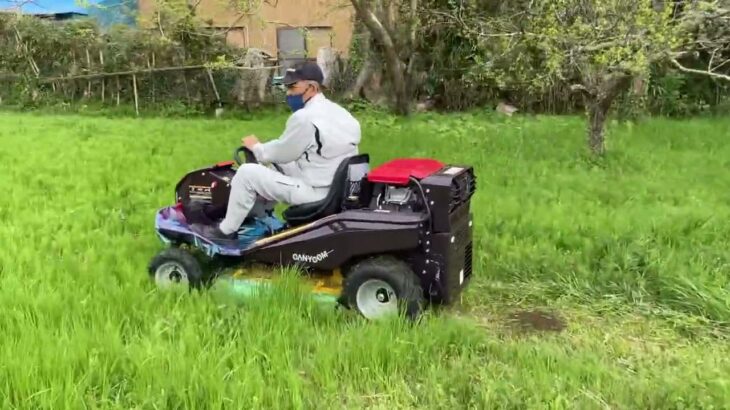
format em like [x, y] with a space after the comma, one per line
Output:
[366, 72]
[596, 123]
[398, 82]
[599, 103]
[368, 67]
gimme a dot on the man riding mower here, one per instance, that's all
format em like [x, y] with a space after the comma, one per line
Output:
[390, 239]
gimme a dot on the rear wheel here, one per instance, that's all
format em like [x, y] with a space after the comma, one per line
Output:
[383, 286]
[175, 268]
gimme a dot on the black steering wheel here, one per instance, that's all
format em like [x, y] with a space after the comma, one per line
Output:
[248, 155]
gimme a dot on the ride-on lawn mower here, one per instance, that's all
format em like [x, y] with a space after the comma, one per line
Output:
[386, 240]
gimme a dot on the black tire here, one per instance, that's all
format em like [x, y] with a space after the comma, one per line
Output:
[370, 275]
[180, 264]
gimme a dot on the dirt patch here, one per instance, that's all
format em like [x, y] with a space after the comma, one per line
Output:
[537, 321]
[516, 323]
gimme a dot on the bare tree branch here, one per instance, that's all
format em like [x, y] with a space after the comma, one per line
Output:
[581, 88]
[701, 72]
[413, 21]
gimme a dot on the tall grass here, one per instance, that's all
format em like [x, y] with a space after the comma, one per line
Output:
[649, 224]
[646, 229]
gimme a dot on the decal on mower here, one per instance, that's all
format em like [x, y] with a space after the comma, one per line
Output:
[200, 192]
[453, 170]
[298, 257]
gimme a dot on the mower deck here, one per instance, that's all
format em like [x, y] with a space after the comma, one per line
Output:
[320, 283]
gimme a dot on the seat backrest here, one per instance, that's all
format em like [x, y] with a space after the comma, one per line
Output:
[357, 171]
[346, 182]
[346, 185]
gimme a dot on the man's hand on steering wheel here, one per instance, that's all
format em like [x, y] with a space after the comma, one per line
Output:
[249, 141]
[249, 157]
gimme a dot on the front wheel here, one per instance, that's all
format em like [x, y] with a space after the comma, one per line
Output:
[383, 286]
[176, 268]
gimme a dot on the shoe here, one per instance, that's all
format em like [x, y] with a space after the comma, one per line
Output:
[213, 233]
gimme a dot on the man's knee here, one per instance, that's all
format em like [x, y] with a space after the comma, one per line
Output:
[248, 173]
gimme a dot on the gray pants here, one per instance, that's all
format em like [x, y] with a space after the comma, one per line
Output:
[255, 182]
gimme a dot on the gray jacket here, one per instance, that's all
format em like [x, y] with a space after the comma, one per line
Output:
[316, 139]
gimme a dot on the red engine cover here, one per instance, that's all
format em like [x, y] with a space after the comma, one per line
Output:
[399, 171]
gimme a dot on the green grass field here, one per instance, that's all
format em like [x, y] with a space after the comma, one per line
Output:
[632, 251]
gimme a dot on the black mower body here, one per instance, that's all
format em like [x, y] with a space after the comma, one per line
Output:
[416, 210]
[331, 242]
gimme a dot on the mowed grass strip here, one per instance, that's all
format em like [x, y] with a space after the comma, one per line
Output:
[632, 251]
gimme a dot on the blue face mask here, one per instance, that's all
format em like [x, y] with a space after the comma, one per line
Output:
[295, 102]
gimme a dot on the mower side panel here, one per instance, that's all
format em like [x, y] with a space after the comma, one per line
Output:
[444, 265]
[334, 240]
[447, 267]
[447, 191]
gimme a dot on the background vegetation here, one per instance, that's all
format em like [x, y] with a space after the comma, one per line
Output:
[453, 64]
[180, 67]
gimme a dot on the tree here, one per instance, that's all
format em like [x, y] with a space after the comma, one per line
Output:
[392, 24]
[597, 46]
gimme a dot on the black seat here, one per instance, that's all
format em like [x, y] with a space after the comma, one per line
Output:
[346, 183]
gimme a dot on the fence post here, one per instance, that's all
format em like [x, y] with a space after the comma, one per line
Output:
[136, 98]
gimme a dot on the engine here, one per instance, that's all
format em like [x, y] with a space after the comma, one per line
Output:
[396, 198]
[420, 185]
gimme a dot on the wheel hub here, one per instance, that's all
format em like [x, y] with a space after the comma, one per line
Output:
[375, 298]
[171, 274]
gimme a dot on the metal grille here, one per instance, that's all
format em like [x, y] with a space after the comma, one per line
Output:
[462, 188]
[467, 261]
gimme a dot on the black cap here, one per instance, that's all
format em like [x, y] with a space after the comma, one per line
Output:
[305, 71]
